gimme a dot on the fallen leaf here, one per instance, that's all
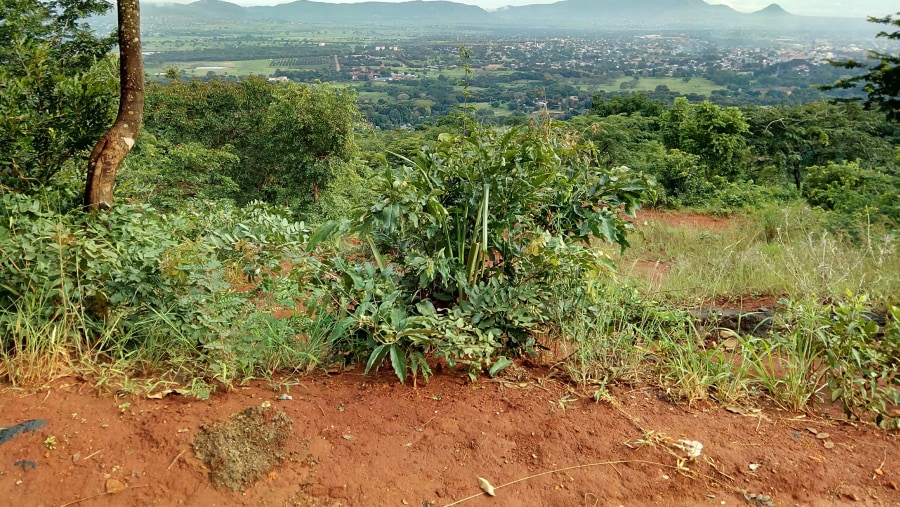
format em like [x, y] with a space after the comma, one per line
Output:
[349, 437]
[114, 486]
[828, 444]
[812, 430]
[486, 486]
[822, 436]
[879, 471]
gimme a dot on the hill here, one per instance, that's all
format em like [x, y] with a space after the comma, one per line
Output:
[667, 14]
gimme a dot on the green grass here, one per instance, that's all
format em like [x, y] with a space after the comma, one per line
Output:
[231, 68]
[697, 85]
[791, 256]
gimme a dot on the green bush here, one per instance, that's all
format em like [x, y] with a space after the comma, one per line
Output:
[473, 234]
[279, 143]
[189, 293]
[854, 195]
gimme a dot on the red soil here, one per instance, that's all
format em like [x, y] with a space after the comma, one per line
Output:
[693, 221]
[369, 441]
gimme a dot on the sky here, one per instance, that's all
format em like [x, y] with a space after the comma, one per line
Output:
[845, 8]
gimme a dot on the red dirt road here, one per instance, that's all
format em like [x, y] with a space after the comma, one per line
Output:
[368, 441]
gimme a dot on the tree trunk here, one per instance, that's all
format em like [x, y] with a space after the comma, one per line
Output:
[798, 178]
[112, 148]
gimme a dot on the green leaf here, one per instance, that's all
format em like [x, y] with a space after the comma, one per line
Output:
[836, 394]
[376, 358]
[341, 328]
[321, 234]
[499, 365]
[378, 258]
[398, 361]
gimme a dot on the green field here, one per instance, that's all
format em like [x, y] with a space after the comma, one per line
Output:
[698, 85]
[230, 68]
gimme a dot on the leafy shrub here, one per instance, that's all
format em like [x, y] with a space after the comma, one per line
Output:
[836, 348]
[289, 139]
[187, 171]
[853, 195]
[161, 292]
[864, 360]
[474, 232]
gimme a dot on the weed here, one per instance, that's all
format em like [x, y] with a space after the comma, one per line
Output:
[790, 365]
[689, 371]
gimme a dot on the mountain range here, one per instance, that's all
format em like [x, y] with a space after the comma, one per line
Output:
[565, 13]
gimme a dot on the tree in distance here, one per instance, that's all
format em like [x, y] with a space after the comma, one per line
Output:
[882, 81]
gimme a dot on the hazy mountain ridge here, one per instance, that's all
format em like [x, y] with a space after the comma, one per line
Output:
[563, 14]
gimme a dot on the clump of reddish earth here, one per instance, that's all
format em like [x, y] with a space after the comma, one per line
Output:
[242, 449]
[369, 441]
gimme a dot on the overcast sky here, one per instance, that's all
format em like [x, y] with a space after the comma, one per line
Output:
[846, 8]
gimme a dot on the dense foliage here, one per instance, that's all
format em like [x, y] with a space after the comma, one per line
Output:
[723, 159]
[58, 94]
[455, 244]
[253, 140]
[473, 240]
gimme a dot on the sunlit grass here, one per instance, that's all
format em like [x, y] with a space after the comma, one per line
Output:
[789, 255]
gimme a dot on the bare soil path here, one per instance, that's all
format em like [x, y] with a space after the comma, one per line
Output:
[368, 441]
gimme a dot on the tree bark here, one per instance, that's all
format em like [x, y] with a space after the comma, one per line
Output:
[112, 148]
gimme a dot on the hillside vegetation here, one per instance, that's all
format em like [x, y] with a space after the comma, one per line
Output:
[263, 229]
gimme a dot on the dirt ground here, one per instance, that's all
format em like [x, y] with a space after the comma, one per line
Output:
[368, 441]
[685, 220]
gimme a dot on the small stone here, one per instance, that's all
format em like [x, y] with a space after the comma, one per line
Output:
[730, 344]
[879, 471]
[753, 467]
[726, 334]
[486, 486]
[114, 486]
[828, 444]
